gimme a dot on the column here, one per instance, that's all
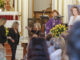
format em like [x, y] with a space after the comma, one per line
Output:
[15, 5]
[65, 10]
[55, 4]
[30, 8]
[60, 7]
[19, 5]
[25, 18]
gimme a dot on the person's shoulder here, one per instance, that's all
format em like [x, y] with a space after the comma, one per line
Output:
[2, 27]
[78, 16]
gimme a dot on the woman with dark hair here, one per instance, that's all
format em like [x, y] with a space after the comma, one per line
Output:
[73, 42]
[54, 20]
[75, 16]
[3, 38]
[37, 49]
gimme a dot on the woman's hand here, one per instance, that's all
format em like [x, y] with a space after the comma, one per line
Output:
[9, 37]
[28, 28]
[13, 41]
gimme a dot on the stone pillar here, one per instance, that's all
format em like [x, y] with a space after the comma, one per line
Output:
[19, 5]
[25, 19]
[15, 5]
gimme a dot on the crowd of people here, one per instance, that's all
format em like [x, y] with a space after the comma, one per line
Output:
[46, 47]
[64, 47]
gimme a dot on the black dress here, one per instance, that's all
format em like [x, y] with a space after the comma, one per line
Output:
[15, 36]
[3, 37]
[36, 31]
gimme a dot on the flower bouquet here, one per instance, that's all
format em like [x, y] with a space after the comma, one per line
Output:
[58, 29]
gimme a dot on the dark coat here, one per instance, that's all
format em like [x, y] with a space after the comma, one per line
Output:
[3, 37]
[15, 36]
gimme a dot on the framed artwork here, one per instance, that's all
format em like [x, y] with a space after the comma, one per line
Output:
[69, 10]
[9, 5]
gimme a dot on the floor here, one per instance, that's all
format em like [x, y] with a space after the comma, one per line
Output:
[19, 52]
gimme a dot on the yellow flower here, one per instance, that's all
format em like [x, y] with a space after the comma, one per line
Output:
[53, 28]
[7, 31]
[60, 24]
[65, 29]
[57, 26]
[57, 30]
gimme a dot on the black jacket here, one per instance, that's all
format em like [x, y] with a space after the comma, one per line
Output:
[15, 36]
[3, 37]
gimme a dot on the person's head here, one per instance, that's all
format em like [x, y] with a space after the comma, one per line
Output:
[37, 49]
[60, 42]
[15, 25]
[73, 38]
[75, 11]
[2, 21]
[54, 13]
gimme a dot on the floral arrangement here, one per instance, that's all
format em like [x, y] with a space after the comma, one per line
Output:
[2, 3]
[58, 29]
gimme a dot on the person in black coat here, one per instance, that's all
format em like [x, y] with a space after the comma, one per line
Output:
[73, 42]
[14, 41]
[3, 36]
[37, 49]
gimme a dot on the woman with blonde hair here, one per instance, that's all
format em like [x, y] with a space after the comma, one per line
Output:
[75, 16]
[14, 41]
[60, 50]
[64, 49]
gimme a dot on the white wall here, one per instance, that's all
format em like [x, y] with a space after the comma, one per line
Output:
[41, 5]
[30, 9]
